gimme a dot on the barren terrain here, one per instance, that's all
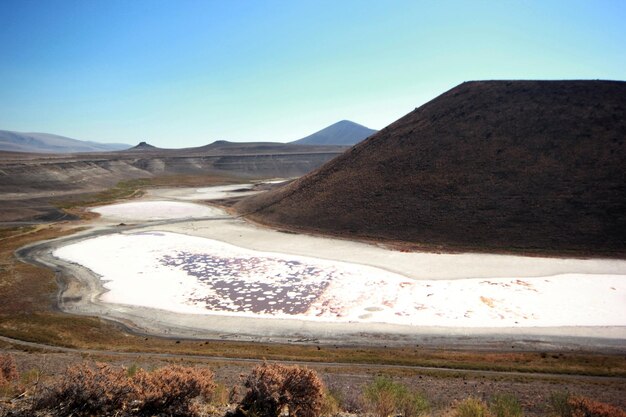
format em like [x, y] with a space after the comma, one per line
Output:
[489, 166]
[34, 187]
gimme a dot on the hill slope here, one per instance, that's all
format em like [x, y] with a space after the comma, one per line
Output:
[344, 132]
[494, 165]
[48, 143]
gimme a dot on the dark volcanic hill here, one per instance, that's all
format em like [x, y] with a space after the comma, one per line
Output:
[344, 132]
[48, 143]
[494, 165]
[143, 146]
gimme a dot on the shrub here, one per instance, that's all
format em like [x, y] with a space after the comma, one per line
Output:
[563, 404]
[384, 397]
[380, 397]
[221, 395]
[559, 404]
[87, 389]
[171, 389]
[8, 370]
[273, 387]
[472, 407]
[100, 389]
[414, 405]
[331, 404]
[132, 370]
[264, 388]
[303, 392]
[585, 407]
[505, 405]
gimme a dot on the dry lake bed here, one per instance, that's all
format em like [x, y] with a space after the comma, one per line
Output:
[186, 268]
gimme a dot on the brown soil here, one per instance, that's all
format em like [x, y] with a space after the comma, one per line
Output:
[489, 166]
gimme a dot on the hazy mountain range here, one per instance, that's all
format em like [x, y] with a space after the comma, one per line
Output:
[49, 143]
[344, 133]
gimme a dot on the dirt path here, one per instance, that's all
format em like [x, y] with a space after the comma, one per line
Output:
[360, 366]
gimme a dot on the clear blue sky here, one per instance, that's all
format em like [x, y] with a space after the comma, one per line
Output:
[185, 73]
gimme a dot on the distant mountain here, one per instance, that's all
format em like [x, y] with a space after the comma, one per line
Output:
[48, 143]
[344, 132]
[490, 166]
[143, 146]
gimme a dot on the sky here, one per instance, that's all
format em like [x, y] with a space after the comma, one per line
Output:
[184, 73]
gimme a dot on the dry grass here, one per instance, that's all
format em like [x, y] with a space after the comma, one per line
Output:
[586, 407]
[472, 407]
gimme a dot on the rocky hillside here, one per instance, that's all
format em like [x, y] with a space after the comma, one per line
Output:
[28, 181]
[493, 165]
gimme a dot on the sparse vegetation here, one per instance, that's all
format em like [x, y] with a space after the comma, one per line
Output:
[123, 190]
[134, 188]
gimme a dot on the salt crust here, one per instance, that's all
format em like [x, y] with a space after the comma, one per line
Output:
[155, 210]
[136, 271]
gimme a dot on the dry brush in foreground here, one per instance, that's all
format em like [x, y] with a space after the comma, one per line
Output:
[271, 390]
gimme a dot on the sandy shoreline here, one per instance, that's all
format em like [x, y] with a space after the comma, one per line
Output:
[81, 294]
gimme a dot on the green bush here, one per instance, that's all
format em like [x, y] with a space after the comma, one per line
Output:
[414, 405]
[331, 404]
[384, 397]
[505, 405]
[559, 404]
